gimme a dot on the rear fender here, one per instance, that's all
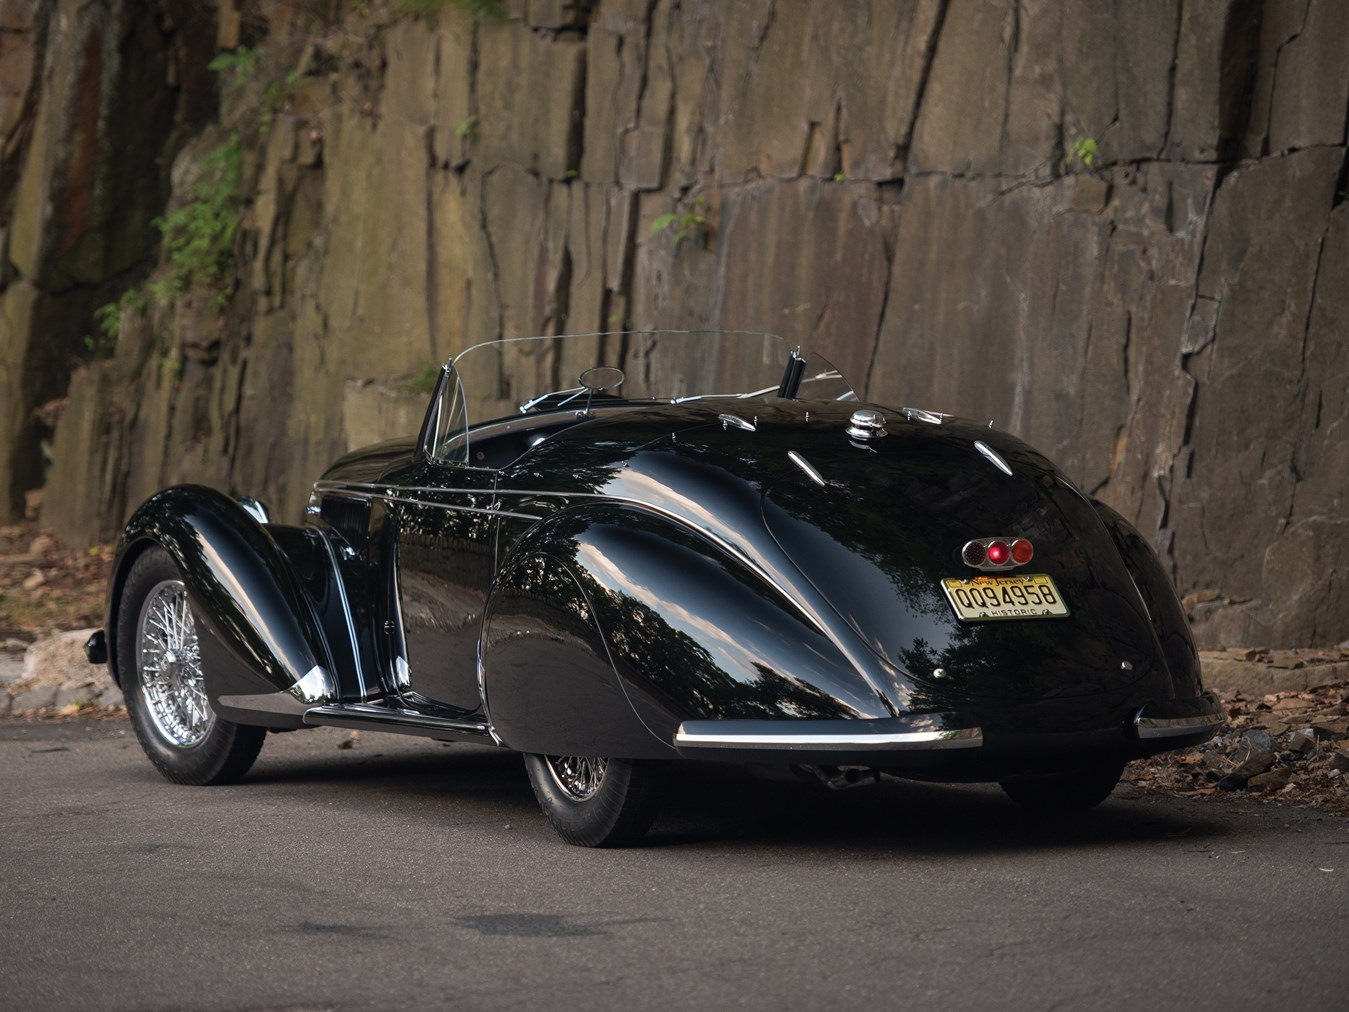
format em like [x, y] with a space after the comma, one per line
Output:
[1164, 607]
[264, 655]
[547, 677]
[665, 621]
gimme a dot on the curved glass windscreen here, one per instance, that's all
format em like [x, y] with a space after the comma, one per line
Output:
[578, 371]
[822, 381]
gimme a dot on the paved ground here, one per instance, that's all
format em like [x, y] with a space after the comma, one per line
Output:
[406, 874]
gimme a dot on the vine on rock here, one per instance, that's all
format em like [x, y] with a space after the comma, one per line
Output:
[200, 235]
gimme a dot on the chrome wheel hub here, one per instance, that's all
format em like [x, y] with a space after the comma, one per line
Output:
[579, 777]
[168, 662]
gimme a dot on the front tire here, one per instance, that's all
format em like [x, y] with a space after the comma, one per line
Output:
[596, 802]
[1075, 791]
[159, 666]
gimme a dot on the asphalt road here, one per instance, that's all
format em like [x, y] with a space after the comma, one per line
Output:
[406, 874]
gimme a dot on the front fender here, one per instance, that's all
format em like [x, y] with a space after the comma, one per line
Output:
[264, 654]
[665, 618]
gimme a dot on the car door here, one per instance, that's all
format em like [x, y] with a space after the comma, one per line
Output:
[443, 517]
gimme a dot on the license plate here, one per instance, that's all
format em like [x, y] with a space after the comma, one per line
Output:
[993, 597]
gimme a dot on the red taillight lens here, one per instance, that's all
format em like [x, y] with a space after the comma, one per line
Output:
[1022, 551]
[997, 552]
[974, 554]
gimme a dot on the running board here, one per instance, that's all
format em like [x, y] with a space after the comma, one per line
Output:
[372, 717]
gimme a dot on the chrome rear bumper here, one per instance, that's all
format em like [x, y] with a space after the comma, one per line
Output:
[920, 731]
[1205, 717]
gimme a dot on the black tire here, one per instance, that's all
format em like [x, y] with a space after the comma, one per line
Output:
[159, 667]
[597, 802]
[1075, 791]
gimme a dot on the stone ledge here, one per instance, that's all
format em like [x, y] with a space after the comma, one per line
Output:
[1229, 675]
[56, 676]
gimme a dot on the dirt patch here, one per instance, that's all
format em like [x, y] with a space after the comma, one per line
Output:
[46, 588]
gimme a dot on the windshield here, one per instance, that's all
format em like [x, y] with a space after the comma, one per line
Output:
[532, 374]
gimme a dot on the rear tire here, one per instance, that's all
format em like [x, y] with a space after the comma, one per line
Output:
[1075, 791]
[595, 802]
[159, 666]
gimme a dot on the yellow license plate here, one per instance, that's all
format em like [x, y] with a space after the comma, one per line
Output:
[993, 597]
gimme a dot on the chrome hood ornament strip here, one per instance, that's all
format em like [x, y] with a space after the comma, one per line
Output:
[806, 466]
[993, 457]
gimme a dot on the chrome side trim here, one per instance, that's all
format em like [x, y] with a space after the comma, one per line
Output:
[255, 508]
[482, 695]
[346, 615]
[362, 491]
[362, 716]
[964, 737]
[1171, 727]
[284, 703]
[315, 687]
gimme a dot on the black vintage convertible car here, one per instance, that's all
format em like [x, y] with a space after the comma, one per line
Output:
[665, 546]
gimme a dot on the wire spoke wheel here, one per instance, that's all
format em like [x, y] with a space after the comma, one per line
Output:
[169, 666]
[159, 668]
[596, 801]
[579, 777]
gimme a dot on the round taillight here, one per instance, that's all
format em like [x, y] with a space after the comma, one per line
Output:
[974, 554]
[997, 552]
[1022, 551]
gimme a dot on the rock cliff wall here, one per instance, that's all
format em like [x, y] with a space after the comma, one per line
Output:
[1117, 229]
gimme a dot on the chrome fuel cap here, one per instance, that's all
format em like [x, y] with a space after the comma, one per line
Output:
[866, 423]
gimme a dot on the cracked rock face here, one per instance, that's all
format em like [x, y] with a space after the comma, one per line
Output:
[1116, 230]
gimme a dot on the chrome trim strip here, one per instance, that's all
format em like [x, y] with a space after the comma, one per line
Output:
[365, 491]
[346, 614]
[921, 415]
[806, 466]
[315, 687]
[735, 421]
[482, 695]
[285, 703]
[1170, 727]
[964, 737]
[399, 674]
[254, 508]
[387, 718]
[993, 457]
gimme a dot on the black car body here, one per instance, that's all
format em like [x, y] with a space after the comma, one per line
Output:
[632, 570]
